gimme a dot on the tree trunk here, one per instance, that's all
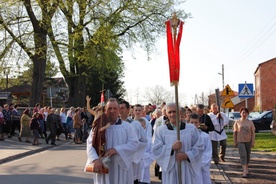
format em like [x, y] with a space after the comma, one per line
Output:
[38, 80]
[77, 90]
[39, 60]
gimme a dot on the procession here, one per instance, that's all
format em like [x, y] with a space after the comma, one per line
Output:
[137, 92]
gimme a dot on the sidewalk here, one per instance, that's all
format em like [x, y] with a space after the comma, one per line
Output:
[12, 149]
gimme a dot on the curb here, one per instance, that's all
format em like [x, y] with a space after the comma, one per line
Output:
[27, 153]
[21, 155]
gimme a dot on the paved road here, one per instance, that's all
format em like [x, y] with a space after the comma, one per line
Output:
[58, 165]
[21, 162]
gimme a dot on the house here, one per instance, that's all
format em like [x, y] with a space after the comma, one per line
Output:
[53, 87]
[212, 98]
[265, 85]
[5, 98]
[57, 88]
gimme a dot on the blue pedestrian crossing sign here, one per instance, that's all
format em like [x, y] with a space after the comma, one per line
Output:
[246, 90]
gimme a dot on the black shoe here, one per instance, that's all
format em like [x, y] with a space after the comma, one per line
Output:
[19, 138]
[53, 144]
[9, 136]
[2, 139]
[47, 142]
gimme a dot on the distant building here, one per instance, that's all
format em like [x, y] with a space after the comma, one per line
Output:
[5, 98]
[57, 88]
[265, 85]
[238, 102]
[212, 98]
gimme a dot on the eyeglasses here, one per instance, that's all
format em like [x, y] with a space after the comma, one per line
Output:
[170, 112]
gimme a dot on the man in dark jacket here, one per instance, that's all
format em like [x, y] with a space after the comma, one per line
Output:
[51, 123]
[205, 120]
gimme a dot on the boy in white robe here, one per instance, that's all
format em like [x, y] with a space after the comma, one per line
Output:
[142, 137]
[190, 148]
[137, 112]
[121, 144]
[204, 176]
[146, 160]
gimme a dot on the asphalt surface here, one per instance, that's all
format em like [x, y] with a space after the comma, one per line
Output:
[12, 149]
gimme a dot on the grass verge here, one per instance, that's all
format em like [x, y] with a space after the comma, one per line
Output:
[264, 141]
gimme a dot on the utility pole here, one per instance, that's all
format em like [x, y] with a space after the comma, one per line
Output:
[222, 75]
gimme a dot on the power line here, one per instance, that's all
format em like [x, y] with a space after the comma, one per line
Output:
[245, 52]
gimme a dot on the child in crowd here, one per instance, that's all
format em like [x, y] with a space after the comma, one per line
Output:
[147, 158]
[204, 176]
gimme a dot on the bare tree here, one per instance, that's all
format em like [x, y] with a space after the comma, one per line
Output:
[157, 95]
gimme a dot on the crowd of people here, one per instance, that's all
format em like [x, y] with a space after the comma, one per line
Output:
[44, 123]
[127, 139]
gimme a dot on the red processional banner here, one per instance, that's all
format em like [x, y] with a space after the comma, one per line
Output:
[173, 52]
[102, 99]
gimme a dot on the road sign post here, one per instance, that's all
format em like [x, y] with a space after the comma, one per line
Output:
[227, 92]
[246, 91]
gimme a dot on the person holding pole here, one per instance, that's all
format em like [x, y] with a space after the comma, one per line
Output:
[220, 120]
[168, 151]
[205, 120]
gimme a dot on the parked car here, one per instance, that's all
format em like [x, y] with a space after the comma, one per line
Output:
[233, 116]
[263, 121]
[273, 127]
[253, 115]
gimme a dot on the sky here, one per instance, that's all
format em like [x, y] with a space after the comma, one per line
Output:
[239, 34]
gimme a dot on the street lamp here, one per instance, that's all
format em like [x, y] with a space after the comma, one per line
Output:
[222, 75]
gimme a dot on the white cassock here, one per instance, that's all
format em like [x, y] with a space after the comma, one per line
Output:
[192, 145]
[147, 156]
[142, 145]
[218, 134]
[158, 122]
[206, 158]
[123, 138]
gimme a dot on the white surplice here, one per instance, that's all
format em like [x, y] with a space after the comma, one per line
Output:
[123, 138]
[146, 161]
[219, 125]
[142, 145]
[192, 145]
[206, 158]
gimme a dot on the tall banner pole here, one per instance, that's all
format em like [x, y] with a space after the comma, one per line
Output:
[174, 33]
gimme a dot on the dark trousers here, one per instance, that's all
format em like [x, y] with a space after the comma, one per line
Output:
[45, 128]
[222, 145]
[7, 127]
[52, 136]
[15, 125]
[65, 128]
[157, 171]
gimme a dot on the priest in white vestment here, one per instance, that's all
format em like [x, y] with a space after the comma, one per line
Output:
[190, 148]
[121, 144]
